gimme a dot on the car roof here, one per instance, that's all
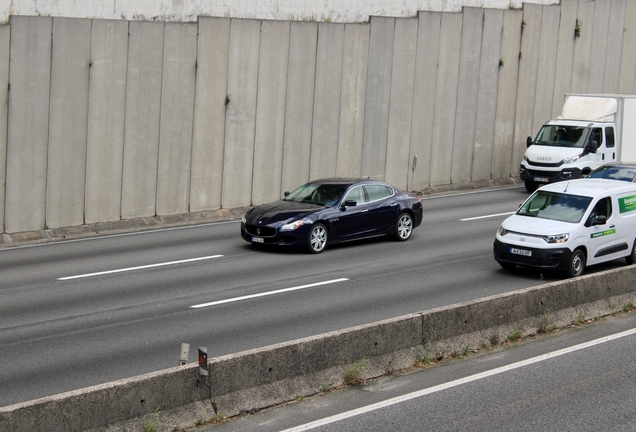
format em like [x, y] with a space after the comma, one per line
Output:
[348, 181]
[590, 187]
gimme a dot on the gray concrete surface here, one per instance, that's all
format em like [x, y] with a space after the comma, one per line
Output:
[206, 178]
[28, 127]
[106, 112]
[68, 122]
[5, 34]
[177, 110]
[267, 376]
[143, 111]
[461, 91]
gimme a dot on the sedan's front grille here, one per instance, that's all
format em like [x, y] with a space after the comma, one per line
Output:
[260, 231]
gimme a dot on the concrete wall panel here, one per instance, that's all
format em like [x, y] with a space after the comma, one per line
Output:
[106, 112]
[487, 95]
[582, 47]
[598, 49]
[401, 102]
[177, 108]
[300, 104]
[324, 140]
[28, 131]
[504, 163]
[446, 99]
[627, 79]
[467, 94]
[352, 100]
[376, 116]
[425, 85]
[526, 90]
[143, 109]
[208, 139]
[546, 66]
[615, 32]
[565, 55]
[270, 111]
[5, 47]
[68, 123]
[240, 117]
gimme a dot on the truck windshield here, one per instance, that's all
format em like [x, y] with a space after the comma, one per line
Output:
[562, 136]
[556, 206]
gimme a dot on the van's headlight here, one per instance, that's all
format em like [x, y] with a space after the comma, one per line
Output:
[502, 231]
[525, 158]
[558, 238]
[293, 225]
[571, 159]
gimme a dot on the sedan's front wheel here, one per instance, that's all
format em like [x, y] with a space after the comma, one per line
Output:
[404, 227]
[317, 239]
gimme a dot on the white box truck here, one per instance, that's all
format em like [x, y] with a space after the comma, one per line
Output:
[592, 130]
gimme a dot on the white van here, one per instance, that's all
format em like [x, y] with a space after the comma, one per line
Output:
[569, 225]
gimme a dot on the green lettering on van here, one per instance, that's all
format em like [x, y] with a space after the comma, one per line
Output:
[627, 204]
[603, 233]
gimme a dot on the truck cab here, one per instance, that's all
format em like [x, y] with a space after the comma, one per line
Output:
[566, 150]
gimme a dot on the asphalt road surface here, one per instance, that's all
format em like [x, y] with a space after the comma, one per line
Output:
[81, 312]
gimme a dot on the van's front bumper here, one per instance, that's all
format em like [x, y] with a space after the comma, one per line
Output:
[554, 259]
[539, 175]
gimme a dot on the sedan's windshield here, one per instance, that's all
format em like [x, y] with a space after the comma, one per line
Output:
[624, 173]
[311, 193]
[556, 206]
[562, 136]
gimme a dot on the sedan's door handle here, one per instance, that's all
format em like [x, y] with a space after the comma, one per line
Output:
[365, 210]
[393, 205]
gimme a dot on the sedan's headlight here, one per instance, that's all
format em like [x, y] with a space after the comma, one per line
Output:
[502, 231]
[571, 159]
[557, 238]
[244, 219]
[293, 225]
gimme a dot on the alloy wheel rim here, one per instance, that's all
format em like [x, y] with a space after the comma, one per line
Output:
[318, 239]
[404, 226]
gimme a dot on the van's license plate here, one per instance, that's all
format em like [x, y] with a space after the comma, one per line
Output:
[520, 252]
[258, 240]
[541, 179]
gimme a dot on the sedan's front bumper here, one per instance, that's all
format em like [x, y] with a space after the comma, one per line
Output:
[271, 236]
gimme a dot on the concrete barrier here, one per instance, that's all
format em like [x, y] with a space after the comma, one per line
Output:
[266, 376]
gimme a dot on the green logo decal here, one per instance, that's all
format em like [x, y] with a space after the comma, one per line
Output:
[627, 204]
[603, 233]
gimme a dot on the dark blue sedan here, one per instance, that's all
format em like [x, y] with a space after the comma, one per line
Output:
[333, 210]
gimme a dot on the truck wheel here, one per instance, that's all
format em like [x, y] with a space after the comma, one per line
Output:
[531, 186]
[577, 264]
[631, 258]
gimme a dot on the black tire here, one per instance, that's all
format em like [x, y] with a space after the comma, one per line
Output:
[631, 258]
[531, 186]
[404, 227]
[576, 265]
[507, 265]
[317, 238]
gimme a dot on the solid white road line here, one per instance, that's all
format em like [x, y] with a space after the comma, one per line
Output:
[456, 383]
[139, 267]
[487, 216]
[235, 299]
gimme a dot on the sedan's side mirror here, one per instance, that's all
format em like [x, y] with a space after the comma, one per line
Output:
[286, 193]
[528, 141]
[350, 203]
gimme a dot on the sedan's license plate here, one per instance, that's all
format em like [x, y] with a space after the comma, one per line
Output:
[258, 240]
[542, 179]
[520, 252]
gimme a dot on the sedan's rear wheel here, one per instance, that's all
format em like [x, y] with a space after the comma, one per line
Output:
[404, 227]
[317, 239]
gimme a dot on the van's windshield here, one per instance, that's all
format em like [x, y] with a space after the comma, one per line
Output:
[562, 136]
[557, 206]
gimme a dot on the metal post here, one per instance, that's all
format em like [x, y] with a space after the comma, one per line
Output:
[185, 353]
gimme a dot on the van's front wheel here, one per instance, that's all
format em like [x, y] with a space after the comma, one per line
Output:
[577, 263]
[531, 186]
[631, 258]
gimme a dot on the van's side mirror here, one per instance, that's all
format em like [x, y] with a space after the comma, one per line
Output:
[600, 220]
[529, 142]
[593, 146]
